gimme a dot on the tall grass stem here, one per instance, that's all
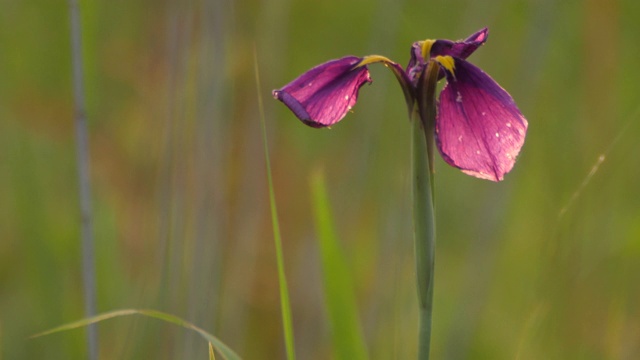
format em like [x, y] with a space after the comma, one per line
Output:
[285, 306]
[82, 153]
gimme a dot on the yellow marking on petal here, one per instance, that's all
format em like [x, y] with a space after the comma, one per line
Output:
[426, 48]
[370, 59]
[447, 62]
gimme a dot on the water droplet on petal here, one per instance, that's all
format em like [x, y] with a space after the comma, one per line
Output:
[346, 97]
[459, 98]
[508, 124]
[497, 134]
[478, 152]
[484, 113]
[460, 138]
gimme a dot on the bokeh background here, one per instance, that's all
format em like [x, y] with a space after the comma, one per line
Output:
[545, 265]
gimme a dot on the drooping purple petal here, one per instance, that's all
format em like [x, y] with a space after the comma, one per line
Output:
[479, 128]
[323, 95]
[460, 49]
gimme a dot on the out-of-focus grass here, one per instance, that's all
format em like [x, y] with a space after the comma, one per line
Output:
[342, 311]
[181, 204]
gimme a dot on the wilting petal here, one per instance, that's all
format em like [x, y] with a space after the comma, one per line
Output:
[416, 61]
[460, 49]
[323, 95]
[479, 128]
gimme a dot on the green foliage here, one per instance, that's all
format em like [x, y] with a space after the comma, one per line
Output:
[342, 310]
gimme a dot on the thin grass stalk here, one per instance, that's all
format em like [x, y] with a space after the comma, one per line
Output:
[82, 153]
[423, 205]
[285, 306]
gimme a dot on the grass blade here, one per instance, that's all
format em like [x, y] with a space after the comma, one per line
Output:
[338, 287]
[212, 356]
[82, 154]
[223, 349]
[282, 280]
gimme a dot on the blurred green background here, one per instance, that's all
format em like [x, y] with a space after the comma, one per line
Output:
[535, 267]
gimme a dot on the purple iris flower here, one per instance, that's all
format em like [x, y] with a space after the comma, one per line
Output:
[478, 127]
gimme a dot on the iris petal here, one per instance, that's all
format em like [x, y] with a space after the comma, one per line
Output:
[323, 95]
[460, 49]
[405, 83]
[479, 128]
[416, 61]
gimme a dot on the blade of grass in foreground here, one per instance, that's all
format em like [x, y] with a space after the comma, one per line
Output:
[347, 336]
[223, 349]
[82, 154]
[212, 356]
[282, 280]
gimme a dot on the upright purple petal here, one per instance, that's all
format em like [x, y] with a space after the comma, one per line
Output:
[405, 83]
[479, 128]
[323, 95]
[416, 61]
[479, 36]
[460, 49]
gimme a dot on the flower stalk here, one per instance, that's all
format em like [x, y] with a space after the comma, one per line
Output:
[423, 204]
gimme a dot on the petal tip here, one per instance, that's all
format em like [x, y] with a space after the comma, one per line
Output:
[495, 177]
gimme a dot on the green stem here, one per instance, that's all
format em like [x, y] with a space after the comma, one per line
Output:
[423, 204]
[424, 235]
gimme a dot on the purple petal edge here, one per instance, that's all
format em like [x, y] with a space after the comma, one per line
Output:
[295, 107]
